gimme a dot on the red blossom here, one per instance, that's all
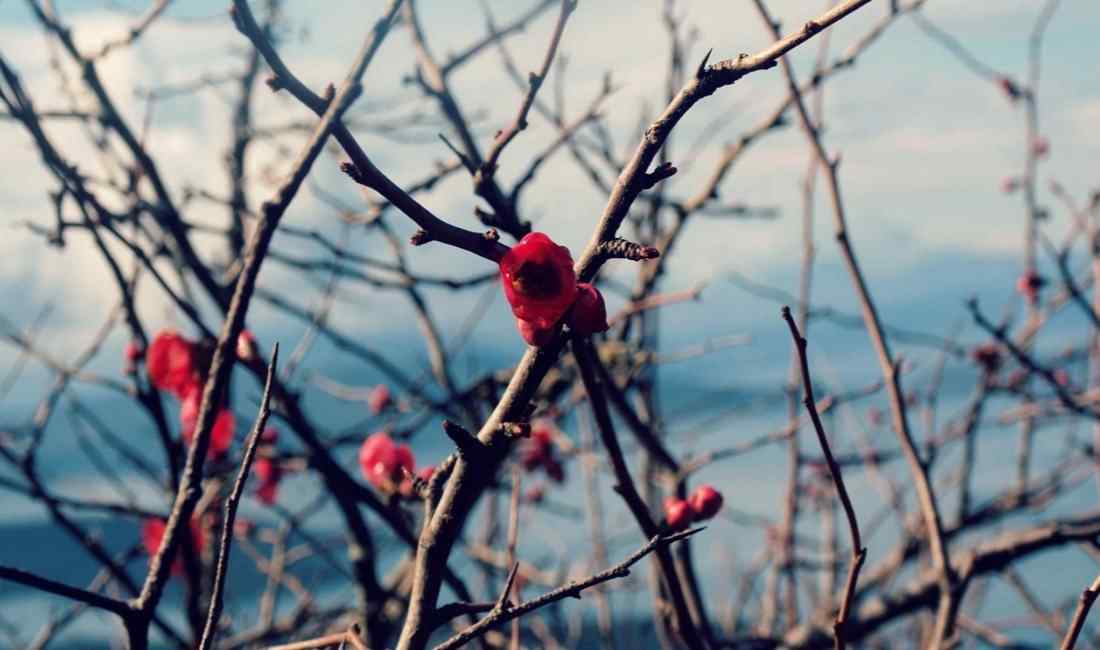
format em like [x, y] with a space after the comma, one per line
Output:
[270, 473]
[1040, 147]
[170, 362]
[678, 513]
[221, 436]
[705, 502]
[383, 462]
[589, 314]
[133, 351]
[269, 436]
[1009, 87]
[152, 533]
[379, 399]
[538, 280]
[536, 336]
[988, 356]
[1010, 184]
[1029, 284]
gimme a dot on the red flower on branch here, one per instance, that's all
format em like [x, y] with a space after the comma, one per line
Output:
[678, 513]
[536, 336]
[1029, 285]
[589, 314]
[170, 362]
[538, 280]
[221, 436]
[152, 533]
[384, 462]
[269, 473]
[705, 502]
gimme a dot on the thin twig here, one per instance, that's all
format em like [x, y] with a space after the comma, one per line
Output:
[209, 633]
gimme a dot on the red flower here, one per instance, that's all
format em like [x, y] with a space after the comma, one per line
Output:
[221, 437]
[1029, 285]
[678, 513]
[379, 399]
[384, 463]
[705, 502]
[269, 474]
[152, 533]
[1010, 184]
[536, 336]
[246, 346]
[538, 280]
[170, 362]
[535, 494]
[589, 314]
[269, 436]
[988, 356]
[133, 351]
[1008, 86]
[1040, 147]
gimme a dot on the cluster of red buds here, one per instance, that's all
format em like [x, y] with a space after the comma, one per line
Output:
[1029, 285]
[702, 504]
[539, 452]
[152, 533]
[390, 467]
[988, 356]
[178, 366]
[540, 284]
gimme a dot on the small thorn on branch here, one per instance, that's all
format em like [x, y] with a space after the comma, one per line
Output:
[812, 27]
[468, 444]
[663, 171]
[492, 235]
[502, 602]
[701, 71]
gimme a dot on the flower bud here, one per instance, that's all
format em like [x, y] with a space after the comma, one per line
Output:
[705, 502]
[589, 314]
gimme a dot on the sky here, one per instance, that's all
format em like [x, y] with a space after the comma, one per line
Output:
[925, 146]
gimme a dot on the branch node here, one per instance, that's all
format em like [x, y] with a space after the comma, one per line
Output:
[468, 444]
[663, 171]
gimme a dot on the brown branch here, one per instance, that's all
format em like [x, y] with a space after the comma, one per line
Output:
[466, 484]
[859, 552]
[1088, 596]
[888, 364]
[503, 614]
[209, 633]
[535, 81]
[360, 168]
